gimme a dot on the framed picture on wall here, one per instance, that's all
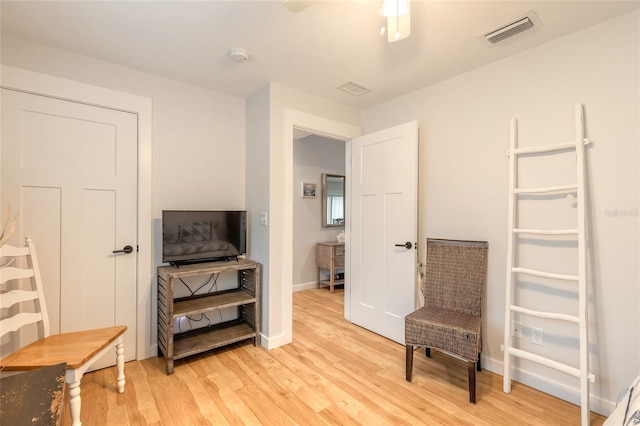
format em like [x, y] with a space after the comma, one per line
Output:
[308, 190]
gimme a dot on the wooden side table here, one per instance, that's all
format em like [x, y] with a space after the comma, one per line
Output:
[329, 256]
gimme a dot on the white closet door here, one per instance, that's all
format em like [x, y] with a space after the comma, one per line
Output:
[70, 171]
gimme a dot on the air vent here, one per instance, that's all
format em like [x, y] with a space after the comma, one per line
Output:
[512, 28]
[356, 89]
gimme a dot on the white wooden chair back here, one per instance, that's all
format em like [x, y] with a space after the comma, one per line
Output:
[15, 258]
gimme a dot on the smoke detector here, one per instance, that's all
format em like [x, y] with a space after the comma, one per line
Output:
[511, 28]
[239, 55]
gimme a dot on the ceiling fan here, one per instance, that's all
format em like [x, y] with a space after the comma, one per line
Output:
[396, 12]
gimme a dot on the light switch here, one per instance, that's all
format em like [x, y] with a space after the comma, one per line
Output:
[263, 219]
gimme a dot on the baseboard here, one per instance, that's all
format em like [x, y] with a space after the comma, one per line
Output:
[304, 286]
[152, 351]
[274, 342]
[560, 390]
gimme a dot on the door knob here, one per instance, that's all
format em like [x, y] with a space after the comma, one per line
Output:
[126, 249]
[405, 245]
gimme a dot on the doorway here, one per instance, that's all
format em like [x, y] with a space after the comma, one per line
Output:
[313, 156]
[319, 126]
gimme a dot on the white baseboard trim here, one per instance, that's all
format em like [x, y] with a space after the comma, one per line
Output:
[152, 350]
[271, 343]
[282, 339]
[560, 390]
[304, 286]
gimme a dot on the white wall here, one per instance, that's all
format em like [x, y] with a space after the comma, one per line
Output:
[257, 188]
[464, 134]
[198, 136]
[312, 156]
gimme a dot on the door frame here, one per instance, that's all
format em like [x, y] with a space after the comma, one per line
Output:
[69, 90]
[323, 127]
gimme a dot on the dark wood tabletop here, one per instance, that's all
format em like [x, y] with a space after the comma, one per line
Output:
[34, 397]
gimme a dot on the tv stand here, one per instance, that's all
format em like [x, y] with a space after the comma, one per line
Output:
[179, 263]
[246, 298]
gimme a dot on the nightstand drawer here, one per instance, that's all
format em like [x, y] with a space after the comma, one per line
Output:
[339, 261]
[339, 251]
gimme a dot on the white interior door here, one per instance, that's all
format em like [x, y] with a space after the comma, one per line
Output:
[384, 180]
[70, 171]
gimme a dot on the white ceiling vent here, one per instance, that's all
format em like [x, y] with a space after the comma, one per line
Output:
[356, 89]
[509, 29]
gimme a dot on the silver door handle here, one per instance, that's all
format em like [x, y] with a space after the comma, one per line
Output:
[126, 249]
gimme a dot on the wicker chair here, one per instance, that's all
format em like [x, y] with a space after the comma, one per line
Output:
[451, 320]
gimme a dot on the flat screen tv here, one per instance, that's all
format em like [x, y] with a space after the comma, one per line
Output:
[193, 236]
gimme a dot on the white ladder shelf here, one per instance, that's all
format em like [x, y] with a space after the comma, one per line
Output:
[579, 278]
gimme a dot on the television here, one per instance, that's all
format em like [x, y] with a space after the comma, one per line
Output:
[194, 236]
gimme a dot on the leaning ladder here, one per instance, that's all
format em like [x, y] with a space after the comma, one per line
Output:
[580, 279]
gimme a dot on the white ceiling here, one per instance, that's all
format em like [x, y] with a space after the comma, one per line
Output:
[314, 51]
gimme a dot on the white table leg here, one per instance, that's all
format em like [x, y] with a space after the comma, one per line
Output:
[74, 403]
[120, 364]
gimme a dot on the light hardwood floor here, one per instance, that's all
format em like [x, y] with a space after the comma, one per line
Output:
[333, 373]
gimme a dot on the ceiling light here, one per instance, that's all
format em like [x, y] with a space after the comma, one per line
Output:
[395, 8]
[398, 14]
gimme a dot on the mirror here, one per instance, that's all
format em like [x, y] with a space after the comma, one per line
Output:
[332, 200]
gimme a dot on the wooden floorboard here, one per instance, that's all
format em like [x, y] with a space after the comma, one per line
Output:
[334, 373]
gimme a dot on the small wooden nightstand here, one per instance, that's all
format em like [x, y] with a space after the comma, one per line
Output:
[330, 256]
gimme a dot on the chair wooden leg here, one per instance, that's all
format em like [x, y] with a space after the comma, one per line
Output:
[478, 366]
[409, 366]
[75, 403]
[427, 352]
[120, 364]
[472, 381]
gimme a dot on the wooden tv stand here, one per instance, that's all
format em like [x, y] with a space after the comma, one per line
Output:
[246, 297]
